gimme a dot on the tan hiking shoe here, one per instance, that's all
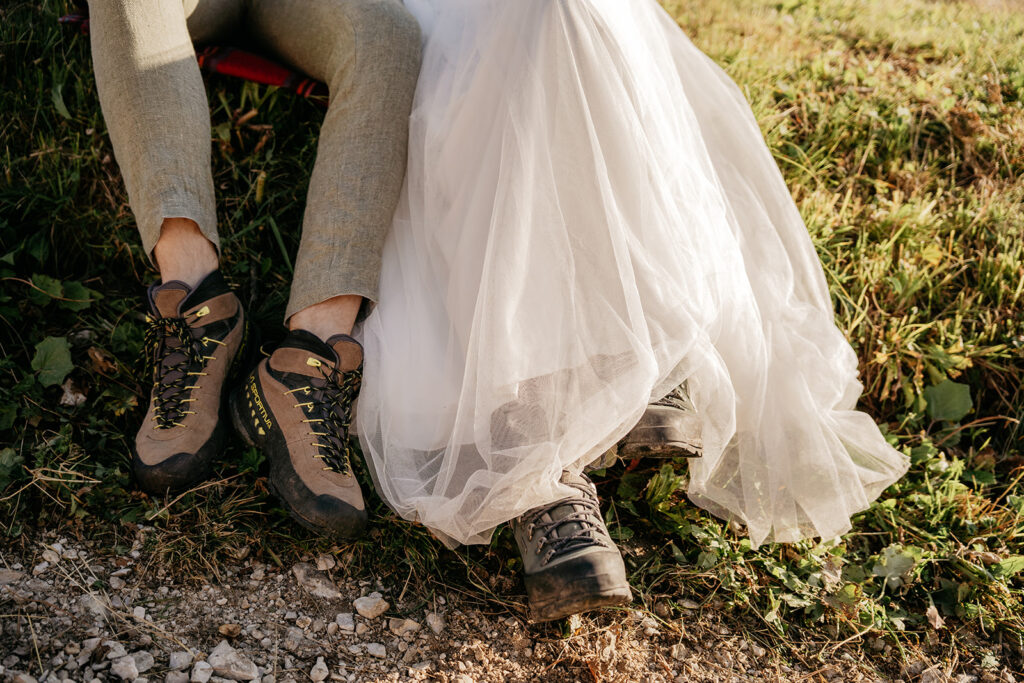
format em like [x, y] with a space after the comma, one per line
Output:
[296, 407]
[195, 342]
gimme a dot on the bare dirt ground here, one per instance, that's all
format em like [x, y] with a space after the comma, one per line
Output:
[78, 612]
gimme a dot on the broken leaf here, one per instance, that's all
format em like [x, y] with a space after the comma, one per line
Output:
[896, 564]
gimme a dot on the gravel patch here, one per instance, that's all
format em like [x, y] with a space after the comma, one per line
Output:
[91, 615]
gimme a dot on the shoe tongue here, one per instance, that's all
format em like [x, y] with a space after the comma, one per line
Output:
[166, 298]
[348, 351]
[563, 510]
[566, 528]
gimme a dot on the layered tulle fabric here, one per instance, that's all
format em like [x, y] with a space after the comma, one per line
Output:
[590, 218]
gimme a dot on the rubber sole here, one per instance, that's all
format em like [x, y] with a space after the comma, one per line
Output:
[663, 433]
[158, 480]
[303, 522]
[579, 596]
[662, 450]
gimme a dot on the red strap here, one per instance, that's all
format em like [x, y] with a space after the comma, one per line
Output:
[240, 64]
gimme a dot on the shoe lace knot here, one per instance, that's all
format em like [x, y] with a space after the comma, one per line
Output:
[174, 358]
[564, 531]
[332, 401]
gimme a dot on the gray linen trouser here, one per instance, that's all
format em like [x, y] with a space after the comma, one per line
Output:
[155, 107]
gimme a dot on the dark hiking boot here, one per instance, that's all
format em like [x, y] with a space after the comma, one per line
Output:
[195, 343]
[296, 407]
[669, 428]
[570, 563]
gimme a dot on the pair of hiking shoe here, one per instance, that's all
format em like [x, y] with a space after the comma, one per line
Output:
[296, 407]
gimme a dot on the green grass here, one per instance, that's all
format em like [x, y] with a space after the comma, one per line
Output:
[900, 129]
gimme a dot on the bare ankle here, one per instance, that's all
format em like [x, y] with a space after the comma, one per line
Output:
[184, 253]
[336, 315]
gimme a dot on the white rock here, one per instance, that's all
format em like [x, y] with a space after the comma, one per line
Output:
[176, 677]
[679, 651]
[180, 660]
[303, 622]
[93, 605]
[201, 672]
[315, 582]
[403, 627]
[40, 568]
[87, 648]
[345, 621]
[436, 622]
[9, 576]
[325, 562]
[229, 664]
[144, 661]
[293, 638]
[362, 629]
[319, 671]
[371, 606]
[377, 650]
[124, 668]
[116, 582]
[116, 650]
[139, 613]
[50, 556]
[332, 628]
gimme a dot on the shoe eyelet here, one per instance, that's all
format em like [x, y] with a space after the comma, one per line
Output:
[313, 362]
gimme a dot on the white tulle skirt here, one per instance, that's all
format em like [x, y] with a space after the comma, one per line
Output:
[591, 217]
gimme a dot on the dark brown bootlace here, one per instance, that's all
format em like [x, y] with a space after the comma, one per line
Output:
[174, 358]
[332, 403]
[585, 510]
